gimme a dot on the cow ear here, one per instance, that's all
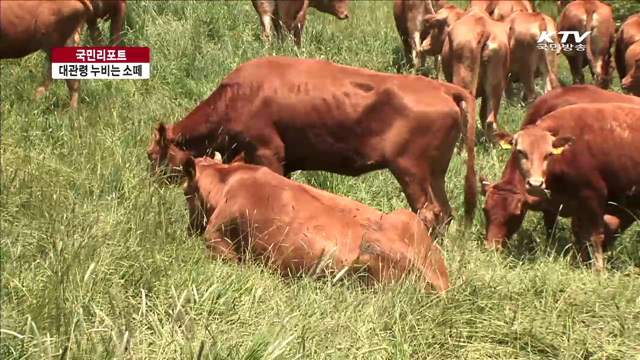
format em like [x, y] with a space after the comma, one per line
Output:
[161, 134]
[560, 143]
[504, 139]
[485, 185]
[189, 168]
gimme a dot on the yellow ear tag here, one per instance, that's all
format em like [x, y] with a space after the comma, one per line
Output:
[505, 145]
[558, 150]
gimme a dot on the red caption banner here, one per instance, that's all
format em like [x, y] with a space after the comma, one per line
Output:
[101, 63]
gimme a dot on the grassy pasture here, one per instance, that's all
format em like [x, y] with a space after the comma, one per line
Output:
[96, 262]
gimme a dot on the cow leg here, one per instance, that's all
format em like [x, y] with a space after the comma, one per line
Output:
[575, 64]
[528, 82]
[493, 88]
[115, 28]
[416, 185]
[266, 22]
[42, 89]
[94, 32]
[590, 225]
[297, 34]
[219, 247]
[416, 54]
[550, 219]
[509, 90]
[436, 66]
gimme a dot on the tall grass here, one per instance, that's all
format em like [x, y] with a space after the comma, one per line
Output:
[97, 263]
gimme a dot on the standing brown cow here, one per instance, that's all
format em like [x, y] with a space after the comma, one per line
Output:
[107, 10]
[409, 19]
[527, 61]
[249, 210]
[475, 56]
[631, 82]
[507, 202]
[504, 9]
[290, 16]
[627, 37]
[292, 114]
[437, 25]
[594, 16]
[584, 157]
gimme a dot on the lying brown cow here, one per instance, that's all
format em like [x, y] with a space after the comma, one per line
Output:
[527, 60]
[29, 26]
[507, 202]
[246, 209]
[594, 16]
[408, 16]
[306, 114]
[475, 56]
[584, 157]
[108, 10]
[625, 51]
[290, 16]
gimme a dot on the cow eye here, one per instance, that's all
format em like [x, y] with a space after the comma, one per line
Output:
[549, 155]
[522, 154]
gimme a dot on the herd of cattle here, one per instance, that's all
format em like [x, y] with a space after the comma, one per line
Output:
[577, 153]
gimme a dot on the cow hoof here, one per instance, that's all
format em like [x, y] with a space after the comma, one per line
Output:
[40, 92]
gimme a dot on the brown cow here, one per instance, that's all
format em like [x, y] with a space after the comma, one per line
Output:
[584, 157]
[475, 56]
[296, 228]
[29, 26]
[290, 16]
[504, 9]
[594, 16]
[527, 60]
[437, 26]
[631, 82]
[408, 16]
[108, 10]
[507, 202]
[628, 35]
[294, 114]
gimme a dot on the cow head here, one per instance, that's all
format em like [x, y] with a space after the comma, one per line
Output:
[200, 209]
[535, 147]
[165, 158]
[337, 8]
[438, 26]
[504, 212]
[631, 82]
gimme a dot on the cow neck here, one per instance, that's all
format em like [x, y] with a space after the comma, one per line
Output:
[203, 130]
[511, 180]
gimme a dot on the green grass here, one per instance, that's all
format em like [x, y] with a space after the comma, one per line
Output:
[97, 264]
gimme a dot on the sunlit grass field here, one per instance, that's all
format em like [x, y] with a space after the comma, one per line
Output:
[97, 263]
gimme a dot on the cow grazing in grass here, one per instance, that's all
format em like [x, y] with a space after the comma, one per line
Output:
[475, 56]
[292, 114]
[507, 202]
[29, 26]
[527, 60]
[409, 19]
[246, 209]
[584, 157]
[290, 16]
[597, 17]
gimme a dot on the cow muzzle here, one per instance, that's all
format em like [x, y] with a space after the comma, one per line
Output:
[343, 15]
[536, 187]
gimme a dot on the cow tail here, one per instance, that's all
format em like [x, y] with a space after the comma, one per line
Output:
[590, 59]
[551, 76]
[88, 8]
[467, 105]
